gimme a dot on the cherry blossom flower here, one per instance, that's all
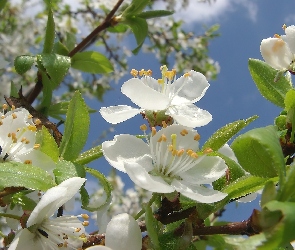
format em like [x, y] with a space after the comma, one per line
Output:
[169, 96]
[279, 51]
[17, 141]
[43, 232]
[168, 163]
[122, 233]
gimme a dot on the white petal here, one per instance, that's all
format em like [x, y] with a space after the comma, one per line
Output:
[209, 169]
[227, 151]
[192, 88]
[189, 115]
[290, 37]
[126, 148]
[24, 240]
[17, 210]
[117, 114]
[198, 193]
[144, 96]
[276, 53]
[123, 233]
[54, 198]
[142, 178]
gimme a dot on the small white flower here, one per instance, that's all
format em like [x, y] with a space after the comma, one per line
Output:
[168, 163]
[45, 233]
[279, 51]
[173, 97]
[123, 233]
[17, 140]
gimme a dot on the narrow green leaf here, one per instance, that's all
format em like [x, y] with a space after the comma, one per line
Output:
[47, 144]
[139, 28]
[222, 135]
[259, 152]
[263, 75]
[154, 14]
[287, 191]
[59, 48]
[50, 33]
[135, 7]
[56, 66]
[47, 93]
[106, 186]
[76, 128]
[23, 63]
[290, 99]
[15, 174]
[89, 155]
[70, 41]
[3, 4]
[152, 227]
[66, 169]
[13, 90]
[92, 62]
[119, 28]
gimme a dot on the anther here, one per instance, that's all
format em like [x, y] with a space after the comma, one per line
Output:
[14, 116]
[36, 146]
[183, 132]
[32, 128]
[197, 137]
[134, 72]
[78, 229]
[186, 74]
[141, 72]
[160, 81]
[4, 106]
[27, 162]
[164, 124]
[143, 127]
[85, 216]
[154, 131]
[284, 26]
[12, 107]
[276, 36]
[85, 223]
[207, 150]
[37, 121]
[149, 72]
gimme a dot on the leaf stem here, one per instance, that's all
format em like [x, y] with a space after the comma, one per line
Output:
[142, 211]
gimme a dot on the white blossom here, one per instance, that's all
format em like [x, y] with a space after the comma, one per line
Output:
[43, 232]
[168, 163]
[279, 51]
[173, 96]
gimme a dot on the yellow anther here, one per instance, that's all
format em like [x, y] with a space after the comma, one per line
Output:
[27, 142]
[12, 107]
[30, 116]
[162, 138]
[5, 106]
[85, 216]
[154, 131]
[170, 148]
[141, 72]
[197, 137]
[13, 137]
[276, 36]
[27, 162]
[1, 123]
[174, 152]
[169, 74]
[14, 116]
[160, 81]
[37, 122]
[207, 150]
[78, 229]
[65, 244]
[173, 138]
[32, 128]
[164, 124]
[83, 235]
[149, 72]
[163, 68]
[180, 152]
[60, 245]
[85, 223]
[134, 72]
[183, 132]
[284, 26]
[143, 127]
[186, 74]
[189, 152]
[9, 135]
[174, 71]
[2, 116]
[194, 155]
[36, 146]
[23, 139]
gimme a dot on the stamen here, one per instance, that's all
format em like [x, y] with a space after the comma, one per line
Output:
[207, 150]
[85, 223]
[180, 152]
[141, 72]
[134, 72]
[37, 122]
[14, 116]
[183, 132]
[186, 74]
[77, 230]
[154, 131]
[149, 72]
[173, 138]
[276, 36]
[164, 124]
[194, 155]
[162, 138]
[4, 106]
[32, 128]
[197, 137]
[27, 162]
[85, 216]
[30, 116]
[12, 107]
[143, 127]
[36, 146]
[160, 81]
[284, 26]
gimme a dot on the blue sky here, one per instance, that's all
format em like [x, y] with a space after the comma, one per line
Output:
[233, 96]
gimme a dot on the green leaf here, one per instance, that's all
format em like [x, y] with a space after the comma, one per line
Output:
[106, 186]
[66, 169]
[269, 193]
[263, 75]
[139, 28]
[287, 190]
[76, 128]
[50, 33]
[59, 48]
[13, 90]
[3, 4]
[290, 99]
[119, 28]
[152, 227]
[15, 174]
[222, 135]
[92, 62]
[47, 144]
[47, 93]
[70, 41]
[154, 13]
[56, 66]
[89, 155]
[259, 152]
[135, 7]
[23, 63]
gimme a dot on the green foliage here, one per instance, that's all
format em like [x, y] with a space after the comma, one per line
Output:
[106, 186]
[90, 155]
[47, 144]
[259, 152]
[264, 75]
[59, 48]
[152, 227]
[23, 63]
[136, 7]
[287, 190]
[222, 135]
[290, 99]
[15, 174]
[50, 33]
[66, 169]
[154, 14]
[76, 128]
[92, 62]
